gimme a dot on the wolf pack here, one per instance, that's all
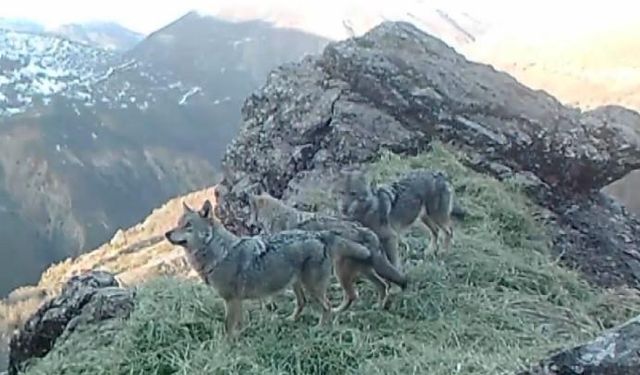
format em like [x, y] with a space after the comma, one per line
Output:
[301, 250]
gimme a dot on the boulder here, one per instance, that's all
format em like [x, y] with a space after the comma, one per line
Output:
[615, 352]
[88, 298]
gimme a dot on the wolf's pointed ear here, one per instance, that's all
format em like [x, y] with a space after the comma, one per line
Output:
[206, 209]
[186, 208]
[252, 198]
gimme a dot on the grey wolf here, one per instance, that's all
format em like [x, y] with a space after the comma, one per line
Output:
[272, 216]
[254, 267]
[420, 196]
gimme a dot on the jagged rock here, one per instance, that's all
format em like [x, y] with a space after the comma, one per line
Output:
[430, 87]
[397, 88]
[87, 298]
[615, 352]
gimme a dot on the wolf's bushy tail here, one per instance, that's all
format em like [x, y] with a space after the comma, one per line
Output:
[443, 203]
[354, 250]
[384, 268]
[339, 245]
[458, 212]
[446, 202]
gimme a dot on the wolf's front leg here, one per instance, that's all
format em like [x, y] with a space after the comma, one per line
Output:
[233, 316]
[433, 230]
[300, 301]
[346, 277]
[389, 243]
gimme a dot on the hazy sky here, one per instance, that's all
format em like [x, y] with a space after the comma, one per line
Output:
[148, 15]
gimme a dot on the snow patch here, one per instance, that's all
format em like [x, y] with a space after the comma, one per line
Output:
[14, 110]
[83, 96]
[236, 43]
[38, 67]
[190, 93]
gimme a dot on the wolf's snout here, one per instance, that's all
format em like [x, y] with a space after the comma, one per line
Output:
[167, 235]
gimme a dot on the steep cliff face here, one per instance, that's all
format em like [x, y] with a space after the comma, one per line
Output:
[397, 88]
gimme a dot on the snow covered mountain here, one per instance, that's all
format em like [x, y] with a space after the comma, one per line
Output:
[34, 68]
[107, 35]
[83, 133]
[227, 60]
[19, 24]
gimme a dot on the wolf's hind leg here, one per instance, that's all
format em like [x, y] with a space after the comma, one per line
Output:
[433, 229]
[346, 277]
[300, 301]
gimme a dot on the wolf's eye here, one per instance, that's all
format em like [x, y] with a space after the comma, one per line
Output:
[187, 226]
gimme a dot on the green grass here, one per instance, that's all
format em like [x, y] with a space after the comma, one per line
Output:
[494, 303]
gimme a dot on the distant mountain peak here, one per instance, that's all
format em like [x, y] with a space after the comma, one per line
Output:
[107, 35]
[21, 24]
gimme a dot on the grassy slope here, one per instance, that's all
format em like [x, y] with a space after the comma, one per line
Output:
[495, 302]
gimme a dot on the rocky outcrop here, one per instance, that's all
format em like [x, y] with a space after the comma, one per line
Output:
[397, 88]
[615, 352]
[87, 298]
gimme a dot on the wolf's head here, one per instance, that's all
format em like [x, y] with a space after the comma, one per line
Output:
[259, 205]
[195, 229]
[355, 185]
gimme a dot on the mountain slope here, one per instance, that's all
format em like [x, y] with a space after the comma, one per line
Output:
[493, 292]
[226, 60]
[105, 35]
[136, 254]
[83, 133]
[19, 24]
[95, 139]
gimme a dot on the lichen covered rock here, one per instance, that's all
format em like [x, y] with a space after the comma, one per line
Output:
[88, 298]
